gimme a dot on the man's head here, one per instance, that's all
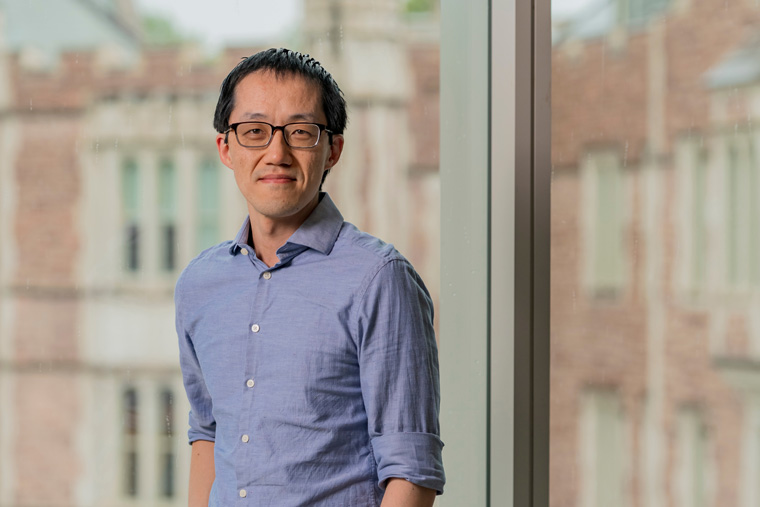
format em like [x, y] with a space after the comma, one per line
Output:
[283, 62]
[277, 173]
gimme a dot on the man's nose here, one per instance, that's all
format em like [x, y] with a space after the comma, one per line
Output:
[278, 150]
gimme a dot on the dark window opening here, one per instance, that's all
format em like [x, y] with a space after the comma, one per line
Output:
[169, 235]
[132, 247]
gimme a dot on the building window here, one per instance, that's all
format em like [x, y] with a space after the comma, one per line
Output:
[640, 11]
[699, 220]
[741, 213]
[167, 195]
[130, 442]
[130, 199]
[692, 478]
[605, 224]
[754, 213]
[733, 212]
[603, 449]
[167, 458]
[207, 229]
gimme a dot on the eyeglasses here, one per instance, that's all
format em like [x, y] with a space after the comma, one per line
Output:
[258, 134]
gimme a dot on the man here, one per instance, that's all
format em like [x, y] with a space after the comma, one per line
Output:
[306, 346]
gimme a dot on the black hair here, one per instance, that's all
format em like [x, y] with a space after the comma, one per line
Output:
[284, 61]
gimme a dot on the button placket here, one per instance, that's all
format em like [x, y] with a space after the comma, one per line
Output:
[261, 296]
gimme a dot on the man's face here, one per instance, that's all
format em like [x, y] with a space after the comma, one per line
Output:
[280, 183]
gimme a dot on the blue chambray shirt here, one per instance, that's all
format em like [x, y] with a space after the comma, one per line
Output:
[317, 379]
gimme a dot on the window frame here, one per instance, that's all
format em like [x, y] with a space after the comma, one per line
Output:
[494, 340]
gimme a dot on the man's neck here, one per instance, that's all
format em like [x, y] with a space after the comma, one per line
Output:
[269, 234]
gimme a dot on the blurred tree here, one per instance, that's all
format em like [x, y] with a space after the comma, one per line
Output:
[161, 31]
[420, 5]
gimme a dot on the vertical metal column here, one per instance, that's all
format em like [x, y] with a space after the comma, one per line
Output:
[532, 158]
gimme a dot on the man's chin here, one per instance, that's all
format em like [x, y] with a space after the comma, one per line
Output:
[285, 212]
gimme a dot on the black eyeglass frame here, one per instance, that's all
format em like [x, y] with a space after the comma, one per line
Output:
[233, 127]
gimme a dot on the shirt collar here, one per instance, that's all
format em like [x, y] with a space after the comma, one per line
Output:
[319, 231]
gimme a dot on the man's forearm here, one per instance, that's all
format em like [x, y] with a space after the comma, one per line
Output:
[402, 493]
[201, 473]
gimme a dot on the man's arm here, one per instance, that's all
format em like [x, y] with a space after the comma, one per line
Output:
[398, 369]
[201, 420]
[201, 473]
[402, 493]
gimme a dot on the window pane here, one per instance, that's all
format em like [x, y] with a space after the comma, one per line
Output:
[167, 195]
[208, 205]
[167, 458]
[130, 442]
[130, 185]
[655, 232]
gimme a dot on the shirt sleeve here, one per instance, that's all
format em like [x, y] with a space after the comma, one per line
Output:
[201, 419]
[398, 368]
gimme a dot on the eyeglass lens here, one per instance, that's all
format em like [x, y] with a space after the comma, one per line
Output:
[297, 135]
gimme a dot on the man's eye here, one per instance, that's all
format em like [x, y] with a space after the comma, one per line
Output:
[253, 132]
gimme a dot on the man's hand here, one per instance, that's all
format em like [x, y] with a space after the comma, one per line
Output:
[402, 493]
[202, 473]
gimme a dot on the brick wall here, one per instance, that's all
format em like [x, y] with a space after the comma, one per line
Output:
[601, 97]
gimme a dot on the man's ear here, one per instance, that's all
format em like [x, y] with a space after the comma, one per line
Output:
[336, 148]
[223, 148]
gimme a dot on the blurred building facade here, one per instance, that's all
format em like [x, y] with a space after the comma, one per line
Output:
[110, 183]
[655, 230]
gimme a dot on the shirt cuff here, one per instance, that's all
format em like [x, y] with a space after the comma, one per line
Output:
[198, 432]
[415, 457]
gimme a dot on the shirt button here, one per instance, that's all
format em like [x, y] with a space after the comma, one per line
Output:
[245, 439]
[244, 251]
[255, 328]
[243, 493]
[250, 382]
[267, 275]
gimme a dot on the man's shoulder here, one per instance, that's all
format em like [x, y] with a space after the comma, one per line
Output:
[371, 261]
[362, 245]
[198, 269]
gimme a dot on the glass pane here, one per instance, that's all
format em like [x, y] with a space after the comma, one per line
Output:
[167, 203]
[655, 232]
[111, 183]
[208, 205]
[167, 190]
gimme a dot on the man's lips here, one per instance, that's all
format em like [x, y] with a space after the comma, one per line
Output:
[277, 178]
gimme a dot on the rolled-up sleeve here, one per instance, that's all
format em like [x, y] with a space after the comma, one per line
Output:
[398, 362]
[201, 419]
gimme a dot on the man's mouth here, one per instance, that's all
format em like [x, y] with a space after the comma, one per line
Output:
[277, 178]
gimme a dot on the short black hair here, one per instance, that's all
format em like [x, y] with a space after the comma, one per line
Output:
[284, 61]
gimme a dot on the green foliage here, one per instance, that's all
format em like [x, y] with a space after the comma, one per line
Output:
[159, 31]
[420, 5]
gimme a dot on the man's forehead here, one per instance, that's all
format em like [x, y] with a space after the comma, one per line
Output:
[272, 77]
[258, 92]
[254, 116]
